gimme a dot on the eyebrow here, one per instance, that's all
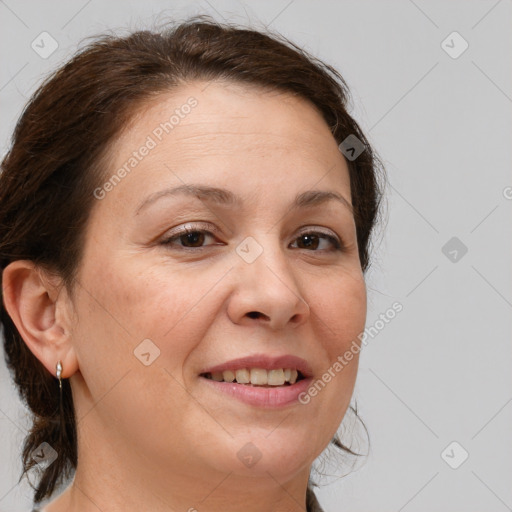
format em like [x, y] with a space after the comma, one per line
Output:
[227, 198]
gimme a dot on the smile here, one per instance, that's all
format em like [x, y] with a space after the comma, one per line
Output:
[257, 376]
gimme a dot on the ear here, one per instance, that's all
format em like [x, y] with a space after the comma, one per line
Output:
[41, 310]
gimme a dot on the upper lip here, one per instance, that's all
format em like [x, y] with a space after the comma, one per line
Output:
[264, 361]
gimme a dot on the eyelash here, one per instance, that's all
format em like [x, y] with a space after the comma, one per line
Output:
[338, 244]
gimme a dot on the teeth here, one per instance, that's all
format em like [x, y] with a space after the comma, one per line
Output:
[276, 377]
[257, 376]
[243, 376]
[228, 376]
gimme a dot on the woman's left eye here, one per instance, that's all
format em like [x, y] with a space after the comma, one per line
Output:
[313, 238]
[195, 238]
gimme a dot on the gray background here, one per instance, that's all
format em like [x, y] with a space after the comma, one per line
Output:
[440, 371]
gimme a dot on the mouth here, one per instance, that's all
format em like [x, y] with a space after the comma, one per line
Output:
[257, 377]
[284, 390]
[260, 380]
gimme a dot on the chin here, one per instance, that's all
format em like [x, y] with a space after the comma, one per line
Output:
[279, 455]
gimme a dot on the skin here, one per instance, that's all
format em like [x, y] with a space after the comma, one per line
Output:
[157, 437]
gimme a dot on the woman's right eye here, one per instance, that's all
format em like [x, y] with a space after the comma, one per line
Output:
[189, 238]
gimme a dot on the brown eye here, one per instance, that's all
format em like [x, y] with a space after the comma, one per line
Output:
[189, 239]
[312, 240]
[192, 238]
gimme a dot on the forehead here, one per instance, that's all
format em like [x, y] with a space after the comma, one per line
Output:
[221, 116]
[226, 133]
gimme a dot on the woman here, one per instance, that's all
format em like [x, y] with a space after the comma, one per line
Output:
[184, 228]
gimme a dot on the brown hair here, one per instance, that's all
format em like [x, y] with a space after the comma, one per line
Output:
[60, 147]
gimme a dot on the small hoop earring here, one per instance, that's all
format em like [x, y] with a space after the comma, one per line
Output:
[59, 373]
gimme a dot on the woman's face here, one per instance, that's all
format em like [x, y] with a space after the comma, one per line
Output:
[155, 309]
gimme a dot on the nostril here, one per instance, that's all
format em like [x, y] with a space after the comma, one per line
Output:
[254, 314]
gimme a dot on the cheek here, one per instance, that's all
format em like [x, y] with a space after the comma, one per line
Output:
[171, 307]
[340, 311]
[339, 317]
[118, 314]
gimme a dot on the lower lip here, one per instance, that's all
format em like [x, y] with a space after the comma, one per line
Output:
[278, 396]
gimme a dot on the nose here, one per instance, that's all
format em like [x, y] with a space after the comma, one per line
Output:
[269, 291]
